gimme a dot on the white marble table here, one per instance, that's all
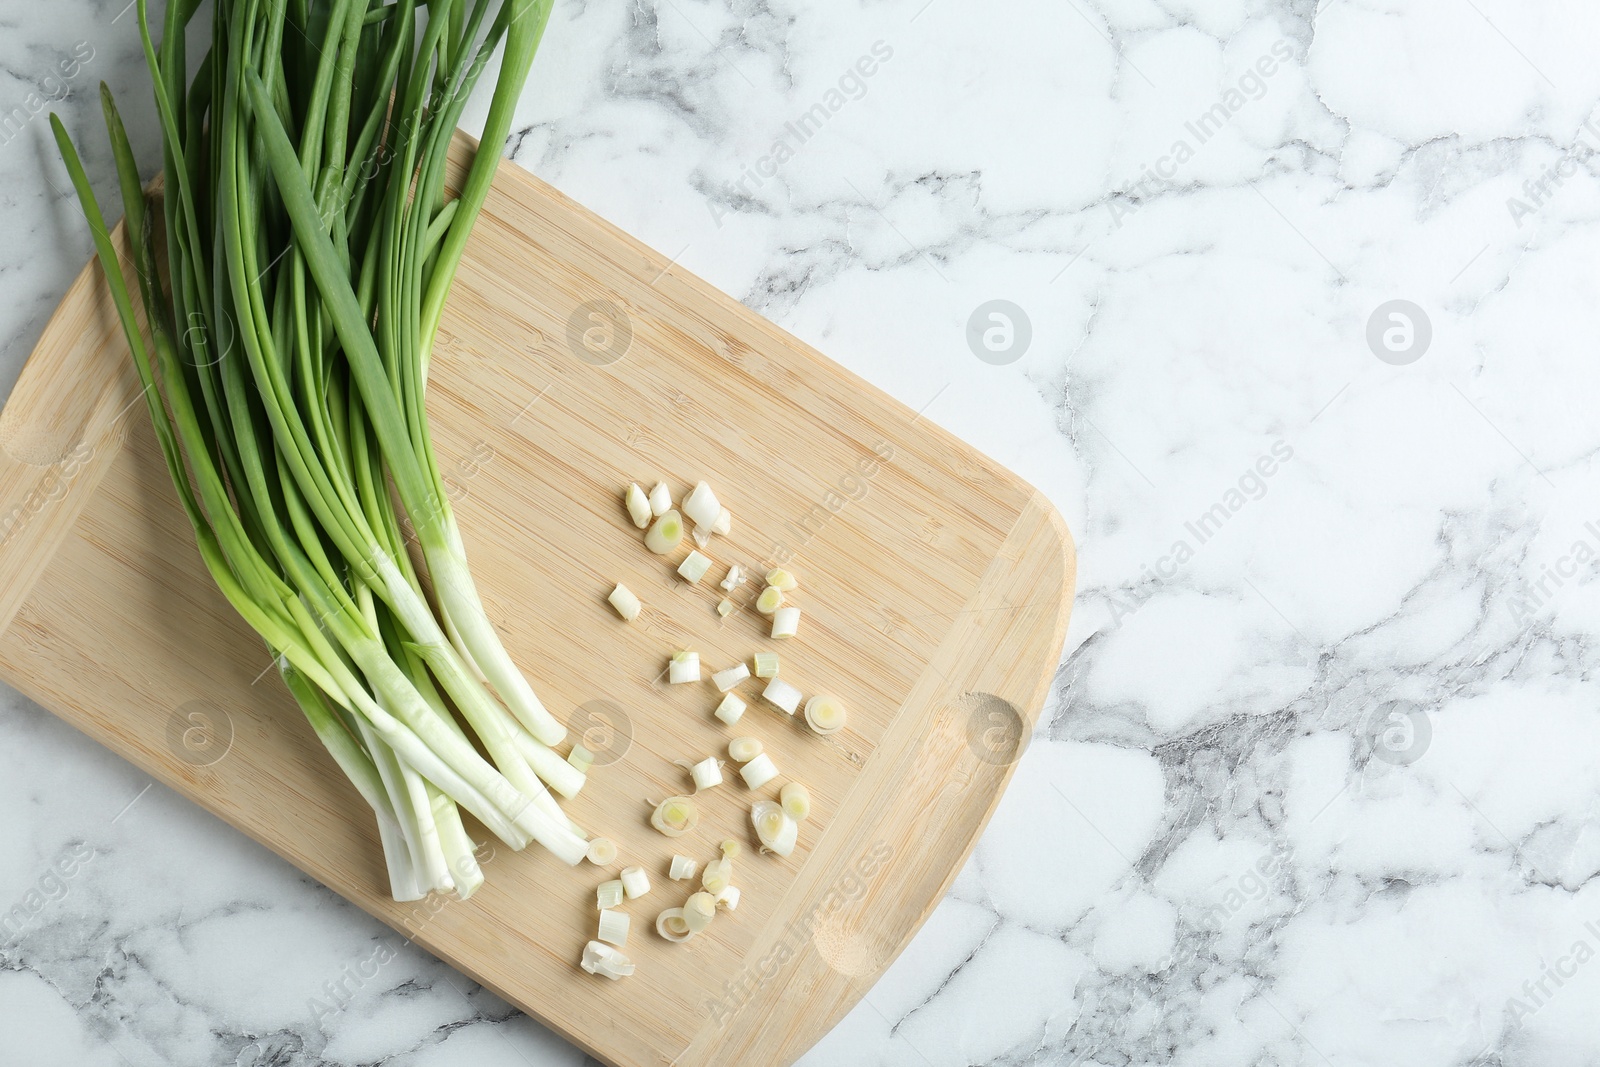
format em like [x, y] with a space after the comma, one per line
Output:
[1318, 782]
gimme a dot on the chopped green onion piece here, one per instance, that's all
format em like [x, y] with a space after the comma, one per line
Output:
[778, 832]
[781, 694]
[731, 709]
[701, 506]
[638, 506]
[602, 852]
[625, 602]
[672, 925]
[785, 622]
[699, 910]
[675, 816]
[796, 801]
[744, 749]
[770, 600]
[825, 714]
[726, 680]
[605, 961]
[759, 771]
[707, 774]
[635, 882]
[718, 873]
[613, 927]
[694, 567]
[683, 667]
[665, 534]
[660, 499]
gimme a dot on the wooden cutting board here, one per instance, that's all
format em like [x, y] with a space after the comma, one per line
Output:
[935, 587]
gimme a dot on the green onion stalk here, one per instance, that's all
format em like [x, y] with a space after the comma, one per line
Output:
[309, 247]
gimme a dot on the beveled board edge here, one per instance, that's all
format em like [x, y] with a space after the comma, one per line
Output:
[62, 425]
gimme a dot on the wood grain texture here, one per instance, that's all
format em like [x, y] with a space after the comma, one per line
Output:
[935, 587]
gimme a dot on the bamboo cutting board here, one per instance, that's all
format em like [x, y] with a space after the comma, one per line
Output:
[935, 587]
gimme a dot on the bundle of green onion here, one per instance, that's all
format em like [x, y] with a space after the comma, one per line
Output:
[309, 249]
